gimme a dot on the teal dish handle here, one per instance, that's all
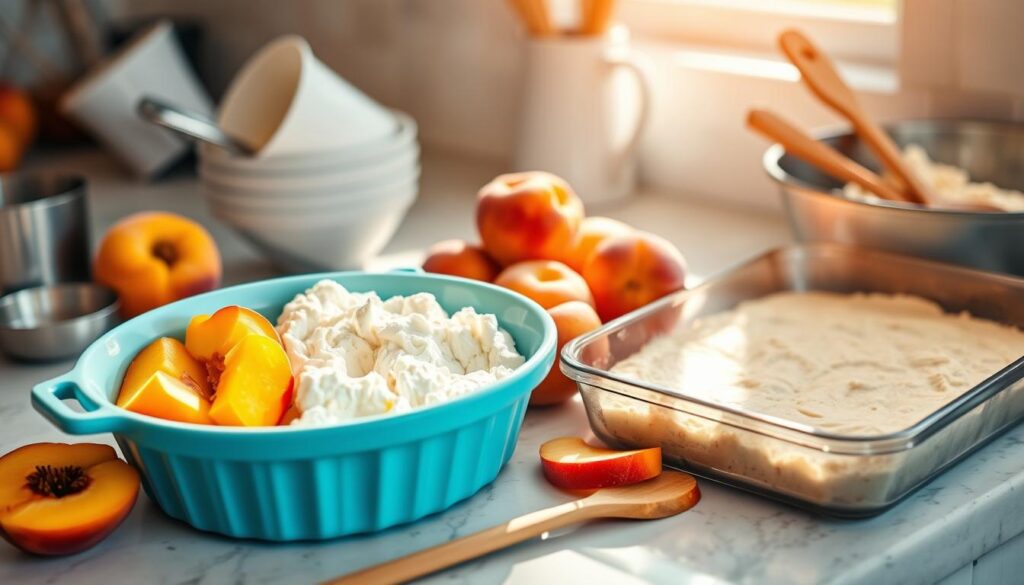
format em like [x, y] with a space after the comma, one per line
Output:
[48, 399]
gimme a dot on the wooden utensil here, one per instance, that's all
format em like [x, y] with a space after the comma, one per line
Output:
[666, 495]
[835, 164]
[819, 154]
[535, 15]
[597, 16]
[820, 75]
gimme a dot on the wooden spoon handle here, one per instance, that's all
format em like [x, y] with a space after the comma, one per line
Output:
[821, 76]
[819, 154]
[458, 551]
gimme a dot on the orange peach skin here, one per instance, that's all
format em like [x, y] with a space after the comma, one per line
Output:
[50, 525]
[11, 148]
[570, 463]
[19, 114]
[210, 337]
[547, 282]
[572, 319]
[592, 232]
[627, 272]
[527, 216]
[459, 258]
[154, 258]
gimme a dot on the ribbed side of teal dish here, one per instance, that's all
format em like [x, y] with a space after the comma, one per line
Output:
[286, 483]
[328, 497]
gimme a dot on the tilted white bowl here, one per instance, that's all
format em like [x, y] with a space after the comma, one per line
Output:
[343, 158]
[361, 177]
[338, 240]
[295, 202]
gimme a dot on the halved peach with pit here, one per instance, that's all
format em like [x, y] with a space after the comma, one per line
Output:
[164, 381]
[58, 499]
[209, 337]
[255, 386]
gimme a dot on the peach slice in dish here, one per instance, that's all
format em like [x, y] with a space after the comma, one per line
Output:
[165, 381]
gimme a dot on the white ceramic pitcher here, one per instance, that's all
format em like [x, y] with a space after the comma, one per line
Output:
[585, 106]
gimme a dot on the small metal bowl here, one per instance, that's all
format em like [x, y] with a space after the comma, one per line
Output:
[55, 322]
[988, 151]
[44, 224]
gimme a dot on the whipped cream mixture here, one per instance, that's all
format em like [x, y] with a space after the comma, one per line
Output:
[951, 183]
[355, 355]
[849, 364]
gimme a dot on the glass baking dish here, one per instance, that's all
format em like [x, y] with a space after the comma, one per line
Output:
[841, 475]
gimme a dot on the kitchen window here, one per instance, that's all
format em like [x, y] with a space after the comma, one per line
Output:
[860, 30]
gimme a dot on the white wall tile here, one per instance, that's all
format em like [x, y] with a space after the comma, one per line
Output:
[990, 45]
[927, 47]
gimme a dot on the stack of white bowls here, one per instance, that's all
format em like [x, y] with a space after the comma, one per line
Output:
[333, 173]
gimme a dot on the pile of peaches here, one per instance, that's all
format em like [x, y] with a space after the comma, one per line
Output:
[231, 370]
[536, 240]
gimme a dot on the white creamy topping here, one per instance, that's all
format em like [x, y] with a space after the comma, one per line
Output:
[355, 355]
[952, 184]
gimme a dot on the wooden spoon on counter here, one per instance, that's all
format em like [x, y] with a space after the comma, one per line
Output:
[669, 494]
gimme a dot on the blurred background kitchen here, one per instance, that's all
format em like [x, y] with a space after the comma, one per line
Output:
[371, 125]
[457, 66]
[488, 95]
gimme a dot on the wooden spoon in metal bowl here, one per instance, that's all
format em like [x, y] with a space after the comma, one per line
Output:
[819, 154]
[834, 163]
[668, 494]
[822, 78]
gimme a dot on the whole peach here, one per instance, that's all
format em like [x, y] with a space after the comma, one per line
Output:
[460, 258]
[572, 319]
[18, 112]
[153, 258]
[627, 272]
[593, 230]
[548, 282]
[527, 216]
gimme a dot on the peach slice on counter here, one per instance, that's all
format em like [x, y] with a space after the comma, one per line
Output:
[570, 463]
[211, 336]
[255, 386]
[58, 499]
[164, 381]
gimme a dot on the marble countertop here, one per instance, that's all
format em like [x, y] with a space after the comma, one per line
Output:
[730, 537]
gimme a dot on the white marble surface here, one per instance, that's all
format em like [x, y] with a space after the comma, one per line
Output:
[730, 537]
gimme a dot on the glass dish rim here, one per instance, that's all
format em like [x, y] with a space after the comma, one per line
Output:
[777, 427]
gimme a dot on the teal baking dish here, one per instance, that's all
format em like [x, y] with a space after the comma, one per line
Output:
[282, 483]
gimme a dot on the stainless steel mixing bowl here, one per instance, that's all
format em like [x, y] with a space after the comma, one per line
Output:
[989, 151]
[55, 322]
[43, 230]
